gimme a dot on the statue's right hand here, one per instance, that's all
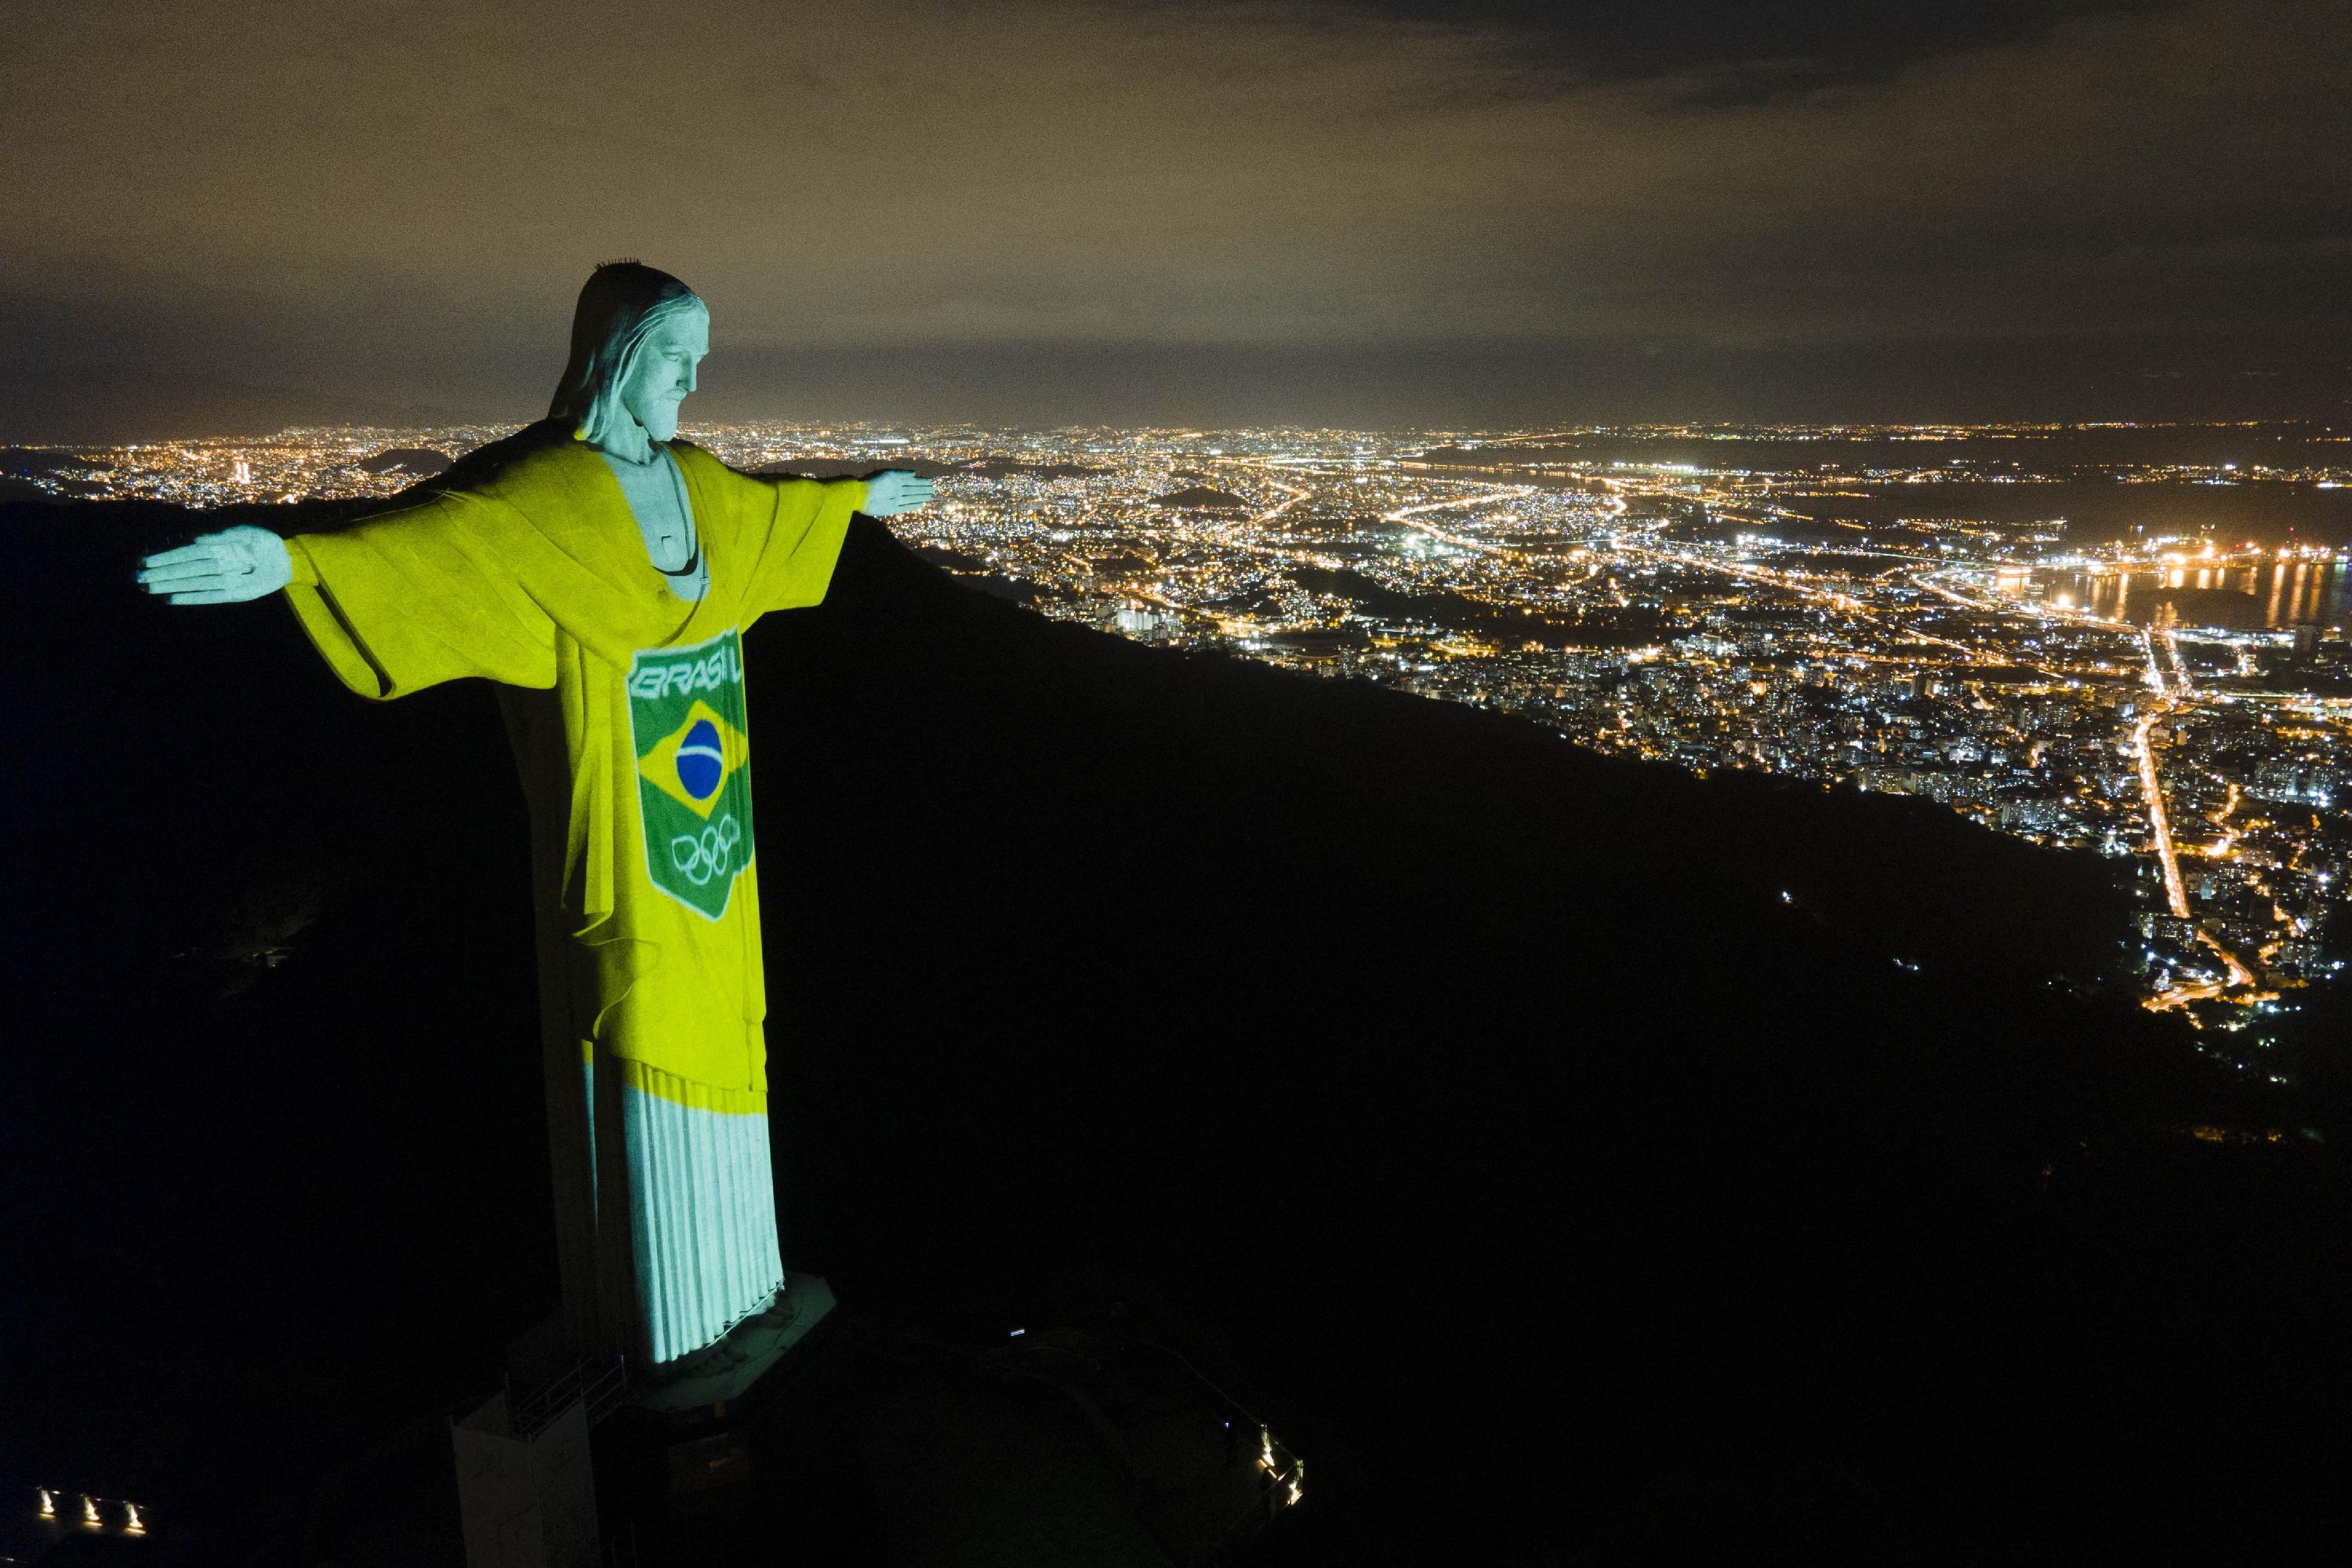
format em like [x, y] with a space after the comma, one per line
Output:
[895, 490]
[225, 568]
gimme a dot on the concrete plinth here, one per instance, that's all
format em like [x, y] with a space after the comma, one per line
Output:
[688, 1441]
[526, 1496]
[706, 1384]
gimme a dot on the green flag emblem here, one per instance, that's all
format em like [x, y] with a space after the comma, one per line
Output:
[694, 769]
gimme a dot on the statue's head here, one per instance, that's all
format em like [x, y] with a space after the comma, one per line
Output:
[637, 336]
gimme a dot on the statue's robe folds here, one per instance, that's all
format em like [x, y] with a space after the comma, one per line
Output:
[625, 707]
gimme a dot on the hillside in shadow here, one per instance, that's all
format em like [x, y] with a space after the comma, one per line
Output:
[1554, 1142]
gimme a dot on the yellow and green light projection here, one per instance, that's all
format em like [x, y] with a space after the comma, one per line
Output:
[694, 781]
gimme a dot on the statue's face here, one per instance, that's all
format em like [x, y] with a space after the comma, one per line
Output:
[663, 373]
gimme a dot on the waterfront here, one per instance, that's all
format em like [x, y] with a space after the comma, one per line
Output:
[2278, 594]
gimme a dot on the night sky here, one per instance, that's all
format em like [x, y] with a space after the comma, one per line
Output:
[234, 216]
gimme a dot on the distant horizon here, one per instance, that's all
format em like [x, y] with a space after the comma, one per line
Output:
[1523, 431]
[1730, 430]
[2287, 482]
[1392, 388]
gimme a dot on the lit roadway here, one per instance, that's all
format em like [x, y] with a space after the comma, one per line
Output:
[2172, 693]
[1292, 491]
[2168, 702]
[1405, 515]
[2152, 789]
[1805, 587]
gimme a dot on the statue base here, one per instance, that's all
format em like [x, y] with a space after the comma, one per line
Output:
[688, 1437]
[718, 1375]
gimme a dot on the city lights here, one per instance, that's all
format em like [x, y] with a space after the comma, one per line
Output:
[2038, 681]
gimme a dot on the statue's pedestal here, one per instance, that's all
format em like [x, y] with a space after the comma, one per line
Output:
[706, 1383]
[688, 1442]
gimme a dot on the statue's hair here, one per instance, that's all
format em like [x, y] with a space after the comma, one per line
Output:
[619, 305]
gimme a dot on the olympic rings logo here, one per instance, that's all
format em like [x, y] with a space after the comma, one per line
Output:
[700, 858]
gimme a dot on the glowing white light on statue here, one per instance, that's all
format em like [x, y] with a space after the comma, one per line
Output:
[1265, 1447]
[90, 1510]
[136, 1526]
[48, 1503]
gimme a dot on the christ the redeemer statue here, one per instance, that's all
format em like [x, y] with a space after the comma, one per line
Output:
[603, 573]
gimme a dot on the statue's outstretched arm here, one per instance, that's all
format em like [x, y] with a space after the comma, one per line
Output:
[225, 568]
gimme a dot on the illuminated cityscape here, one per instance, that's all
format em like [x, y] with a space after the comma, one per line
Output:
[2177, 698]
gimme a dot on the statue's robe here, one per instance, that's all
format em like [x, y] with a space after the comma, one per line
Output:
[625, 707]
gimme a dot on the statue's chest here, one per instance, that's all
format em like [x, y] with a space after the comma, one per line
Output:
[659, 503]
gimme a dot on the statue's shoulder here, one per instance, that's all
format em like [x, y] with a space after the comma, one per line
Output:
[699, 457]
[720, 480]
[515, 468]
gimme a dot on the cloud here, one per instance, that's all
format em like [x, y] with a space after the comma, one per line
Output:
[1727, 52]
[321, 194]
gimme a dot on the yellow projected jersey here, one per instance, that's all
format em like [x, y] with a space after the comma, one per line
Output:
[637, 758]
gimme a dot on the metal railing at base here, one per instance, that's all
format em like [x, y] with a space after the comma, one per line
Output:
[599, 1385]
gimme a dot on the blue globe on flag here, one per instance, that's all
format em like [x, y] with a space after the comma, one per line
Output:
[701, 765]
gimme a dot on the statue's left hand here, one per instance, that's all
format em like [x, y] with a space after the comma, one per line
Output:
[895, 490]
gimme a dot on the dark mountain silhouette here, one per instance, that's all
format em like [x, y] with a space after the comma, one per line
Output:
[1564, 1159]
[22, 467]
[1203, 497]
[422, 461]
[1510, 626]
[27, 462]
[859, 468]
[1000, 468]
[950, 560]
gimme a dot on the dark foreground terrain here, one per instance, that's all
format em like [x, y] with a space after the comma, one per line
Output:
[1559, 1187]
